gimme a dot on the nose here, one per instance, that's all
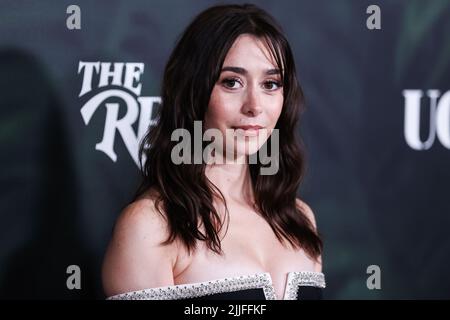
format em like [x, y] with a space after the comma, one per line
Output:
[252, 104]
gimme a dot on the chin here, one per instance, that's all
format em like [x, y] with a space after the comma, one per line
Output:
[246, 149]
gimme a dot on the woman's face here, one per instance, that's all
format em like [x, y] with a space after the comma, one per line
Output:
[248, 93]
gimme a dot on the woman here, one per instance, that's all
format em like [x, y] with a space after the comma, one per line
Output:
[221, 229]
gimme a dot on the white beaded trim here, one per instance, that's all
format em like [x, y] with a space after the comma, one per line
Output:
[193, 290]
[302, 278]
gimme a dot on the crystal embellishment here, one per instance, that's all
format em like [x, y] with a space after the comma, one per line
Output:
[302, 278]
[193, 290]
[201, 289]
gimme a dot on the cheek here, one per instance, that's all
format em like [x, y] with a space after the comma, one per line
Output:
[275, 106]
[221, 109]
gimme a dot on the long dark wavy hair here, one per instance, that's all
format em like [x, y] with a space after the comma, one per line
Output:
[184, 193]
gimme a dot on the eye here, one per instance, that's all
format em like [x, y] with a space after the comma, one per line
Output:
[231, 83]
[272, 85]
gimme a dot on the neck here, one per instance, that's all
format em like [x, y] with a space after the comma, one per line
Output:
[232, 179]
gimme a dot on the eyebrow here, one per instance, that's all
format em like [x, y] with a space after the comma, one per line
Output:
[243, 71]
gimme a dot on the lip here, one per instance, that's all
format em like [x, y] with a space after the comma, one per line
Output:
[248, 127]
[249, 130]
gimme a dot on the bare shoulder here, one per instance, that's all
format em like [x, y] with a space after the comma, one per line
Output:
[306, 209]
[135, 258]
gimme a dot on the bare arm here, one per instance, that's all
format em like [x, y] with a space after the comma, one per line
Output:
[135, 259]
[310, 215]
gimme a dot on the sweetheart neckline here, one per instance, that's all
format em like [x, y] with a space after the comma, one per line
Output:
[261, 280]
